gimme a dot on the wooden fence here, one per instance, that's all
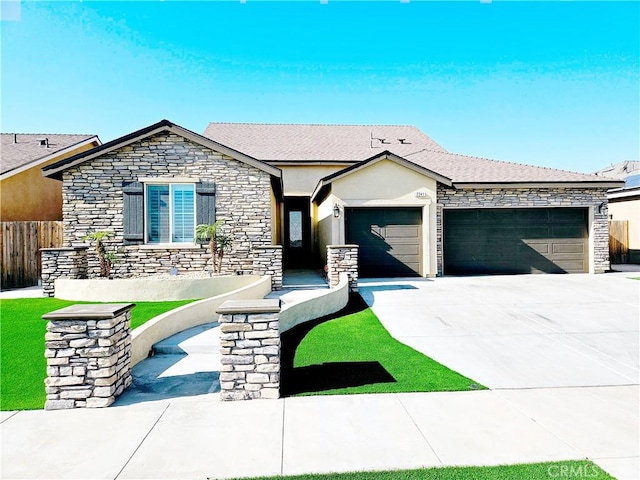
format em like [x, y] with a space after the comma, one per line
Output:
[20, 244]
[619, 241]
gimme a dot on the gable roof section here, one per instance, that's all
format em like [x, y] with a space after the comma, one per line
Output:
[21, 151]
[308, 143]
[325, 182]
[55, 170]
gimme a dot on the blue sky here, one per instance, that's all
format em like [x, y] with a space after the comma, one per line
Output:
[545, 83]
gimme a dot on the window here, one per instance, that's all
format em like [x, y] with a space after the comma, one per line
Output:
[170, 213]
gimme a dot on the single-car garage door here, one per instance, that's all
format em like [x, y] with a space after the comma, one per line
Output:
[528, 240]
[390, 240]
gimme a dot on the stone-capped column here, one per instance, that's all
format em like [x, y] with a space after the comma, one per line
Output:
[250, 349]
[342, 258]
[88, 350]
[66, 262]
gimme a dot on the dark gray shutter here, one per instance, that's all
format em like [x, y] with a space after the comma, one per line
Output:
[205, 203]
[133, 212]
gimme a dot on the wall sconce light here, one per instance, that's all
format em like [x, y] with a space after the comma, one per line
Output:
[336, 210]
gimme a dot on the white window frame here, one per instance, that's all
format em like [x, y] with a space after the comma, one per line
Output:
[170, 182]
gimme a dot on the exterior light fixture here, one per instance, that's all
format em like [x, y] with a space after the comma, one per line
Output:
[336, 210]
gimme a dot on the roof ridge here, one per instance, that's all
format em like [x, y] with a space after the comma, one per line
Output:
[318, 124]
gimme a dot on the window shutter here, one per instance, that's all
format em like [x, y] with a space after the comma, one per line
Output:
[133, 212]
[205, 203]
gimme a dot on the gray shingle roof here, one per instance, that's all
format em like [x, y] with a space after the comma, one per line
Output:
[315, 142]
[20, 149]
[468, 169]
[354, 143]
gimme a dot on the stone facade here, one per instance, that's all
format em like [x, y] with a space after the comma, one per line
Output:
[250, 349]
[88, 350]
[69, 262]
[593, 198]
[93, 200]
[268, 261]
[342, 258]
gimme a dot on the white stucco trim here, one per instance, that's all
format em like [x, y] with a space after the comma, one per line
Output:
[428, 247]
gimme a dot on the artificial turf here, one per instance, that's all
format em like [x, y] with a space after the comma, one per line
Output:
[23, 366]
[354, 353]
[533, 471]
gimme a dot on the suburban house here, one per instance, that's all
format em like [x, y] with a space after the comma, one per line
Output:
[25, 195]
[286, 192]
[624, 206]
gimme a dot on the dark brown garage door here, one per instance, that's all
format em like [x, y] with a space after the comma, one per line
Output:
[536, 240]
[390, 240]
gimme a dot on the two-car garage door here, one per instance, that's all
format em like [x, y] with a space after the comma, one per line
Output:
[528, 240]
[475, 241]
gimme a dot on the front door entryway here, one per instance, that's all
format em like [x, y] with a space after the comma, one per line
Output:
[297, 232]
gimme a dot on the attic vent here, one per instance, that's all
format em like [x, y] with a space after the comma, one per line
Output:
[44, 142]
[403, 141]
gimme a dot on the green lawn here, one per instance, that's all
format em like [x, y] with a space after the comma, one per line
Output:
[354, 353]
[22, 363]
[534, 471]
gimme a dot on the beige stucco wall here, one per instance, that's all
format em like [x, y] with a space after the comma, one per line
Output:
[381, 184]
[630, 211]
[29, 195]
[301, 180]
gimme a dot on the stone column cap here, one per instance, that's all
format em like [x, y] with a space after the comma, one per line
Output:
[269, 305]
[89, 311]
[344, 246]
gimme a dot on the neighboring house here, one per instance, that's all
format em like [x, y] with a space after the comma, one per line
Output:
[624, 203]
[25, 194]
[411, 206]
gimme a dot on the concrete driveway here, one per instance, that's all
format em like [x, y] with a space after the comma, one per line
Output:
[562, 350]
[524, 331]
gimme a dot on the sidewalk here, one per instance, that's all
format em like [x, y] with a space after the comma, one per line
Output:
[201, 437]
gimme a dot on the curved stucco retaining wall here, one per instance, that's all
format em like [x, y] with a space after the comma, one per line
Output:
[191, 315]
[334, 300]
[149, 289]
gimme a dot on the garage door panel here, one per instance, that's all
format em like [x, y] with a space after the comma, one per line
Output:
[569, 248]
[390, 240]
[551, 240]
[567, 231]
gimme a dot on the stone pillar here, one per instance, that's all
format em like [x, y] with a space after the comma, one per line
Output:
[66, 262]
[88, 350]
[250, 349]
[342, 258]
[267, 260]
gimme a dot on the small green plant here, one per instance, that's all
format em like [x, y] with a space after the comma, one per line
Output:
[107, 259]
[218, 242]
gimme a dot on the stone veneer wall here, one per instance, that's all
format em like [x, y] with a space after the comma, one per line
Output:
[342, 258]
[268, 261]
[250, 349]
[93, 200]
[530, 198]
[69, 262]
[88, 350]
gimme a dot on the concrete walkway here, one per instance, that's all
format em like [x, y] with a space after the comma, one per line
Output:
[196, 436]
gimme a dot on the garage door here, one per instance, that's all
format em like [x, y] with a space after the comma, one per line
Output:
[544, 240]
[390, 240]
